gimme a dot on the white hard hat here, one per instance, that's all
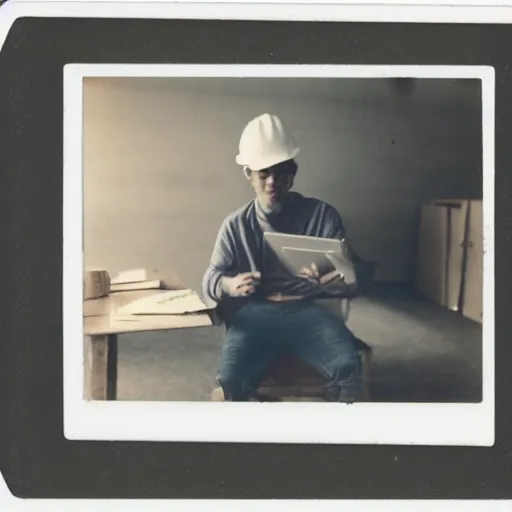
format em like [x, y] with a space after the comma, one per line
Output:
[264, 143]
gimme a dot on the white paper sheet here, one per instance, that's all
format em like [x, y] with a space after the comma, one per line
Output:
[173, 302]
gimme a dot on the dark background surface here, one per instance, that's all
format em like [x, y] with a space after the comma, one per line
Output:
[37, 461]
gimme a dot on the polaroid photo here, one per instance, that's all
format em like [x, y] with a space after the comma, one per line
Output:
[255, 255]
[179, 322]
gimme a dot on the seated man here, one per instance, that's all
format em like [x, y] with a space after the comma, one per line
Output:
[266, 309]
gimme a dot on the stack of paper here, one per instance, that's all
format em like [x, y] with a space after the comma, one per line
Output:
[173, 302]
[155, 284]
[135, 275]
[132, 280]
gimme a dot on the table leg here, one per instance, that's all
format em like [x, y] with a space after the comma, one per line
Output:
[101, 367]
[112, 367]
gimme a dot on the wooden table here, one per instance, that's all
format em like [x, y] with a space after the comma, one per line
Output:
[101, 330]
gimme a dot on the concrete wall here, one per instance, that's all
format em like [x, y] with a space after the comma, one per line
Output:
[160, 175]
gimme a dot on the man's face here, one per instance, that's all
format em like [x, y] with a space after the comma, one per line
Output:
[271, 185]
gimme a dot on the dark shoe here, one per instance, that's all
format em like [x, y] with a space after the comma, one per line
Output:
[348, 392]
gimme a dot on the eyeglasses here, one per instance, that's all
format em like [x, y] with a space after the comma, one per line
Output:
[277, 175]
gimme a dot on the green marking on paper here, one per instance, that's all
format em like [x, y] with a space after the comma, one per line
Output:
[175, 297]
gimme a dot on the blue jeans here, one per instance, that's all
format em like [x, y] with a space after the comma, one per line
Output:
[261, 330]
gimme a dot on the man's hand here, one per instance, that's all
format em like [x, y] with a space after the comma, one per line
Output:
[331, 277]
[310, 272]
[242, 285]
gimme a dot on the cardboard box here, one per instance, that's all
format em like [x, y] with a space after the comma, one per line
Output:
[450, 255]
[473, 282]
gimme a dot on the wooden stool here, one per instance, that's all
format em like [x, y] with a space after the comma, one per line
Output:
[292, 378]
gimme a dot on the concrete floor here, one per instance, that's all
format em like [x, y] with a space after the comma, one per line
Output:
[422, 353]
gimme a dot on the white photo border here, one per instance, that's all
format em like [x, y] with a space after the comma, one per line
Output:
[299, 422]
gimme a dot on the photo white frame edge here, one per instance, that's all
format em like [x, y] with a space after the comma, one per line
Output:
[462, 424]
[444, 11]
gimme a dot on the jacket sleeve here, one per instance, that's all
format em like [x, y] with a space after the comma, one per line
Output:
[222, 263]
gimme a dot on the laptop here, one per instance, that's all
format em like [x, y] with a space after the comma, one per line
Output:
[298, 251]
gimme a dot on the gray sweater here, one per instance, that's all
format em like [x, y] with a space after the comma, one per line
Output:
[240, 247]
